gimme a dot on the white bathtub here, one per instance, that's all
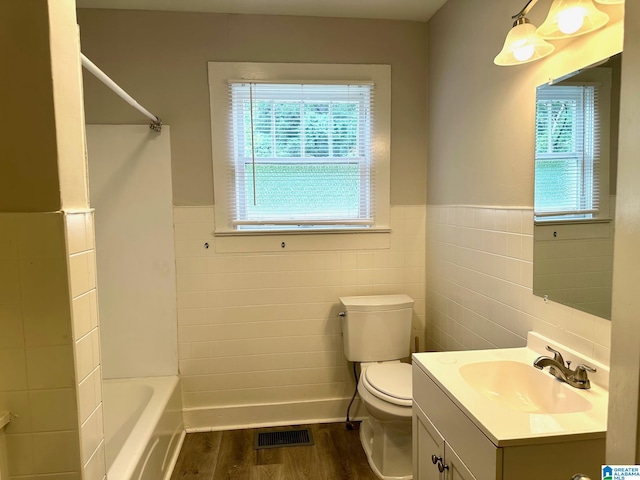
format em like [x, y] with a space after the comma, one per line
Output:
[143, 427]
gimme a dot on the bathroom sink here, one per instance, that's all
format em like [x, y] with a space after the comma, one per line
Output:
[521, 387]
[511, 401]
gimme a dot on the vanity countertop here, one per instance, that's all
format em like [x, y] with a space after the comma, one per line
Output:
[506, 426]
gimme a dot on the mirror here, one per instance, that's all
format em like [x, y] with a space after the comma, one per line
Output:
[576, 154]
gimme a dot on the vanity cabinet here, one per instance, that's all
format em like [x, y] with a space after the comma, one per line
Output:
[442, 428]
[431, 455]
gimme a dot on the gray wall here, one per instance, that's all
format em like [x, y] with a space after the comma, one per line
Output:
[481, 116]
[161, 59]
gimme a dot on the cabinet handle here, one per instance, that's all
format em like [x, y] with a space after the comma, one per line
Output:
[438, 461]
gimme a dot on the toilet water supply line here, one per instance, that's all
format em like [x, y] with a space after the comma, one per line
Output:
[349, 424]
[156, 123]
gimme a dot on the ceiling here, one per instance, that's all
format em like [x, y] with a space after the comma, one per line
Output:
[417, 10]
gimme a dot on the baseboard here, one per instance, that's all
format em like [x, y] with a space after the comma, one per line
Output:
[234, 417]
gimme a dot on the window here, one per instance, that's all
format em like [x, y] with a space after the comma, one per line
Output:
[304, 148]
[302, 155]
[571, 173]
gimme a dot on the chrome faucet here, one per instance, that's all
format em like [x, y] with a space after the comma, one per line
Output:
[577, 378]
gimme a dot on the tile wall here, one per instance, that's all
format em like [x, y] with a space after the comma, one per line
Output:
[86, 337]
[262, 328]
[37, 380]
[47, 359]
[479, 267]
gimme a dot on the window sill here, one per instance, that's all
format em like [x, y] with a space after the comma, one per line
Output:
[300, 241]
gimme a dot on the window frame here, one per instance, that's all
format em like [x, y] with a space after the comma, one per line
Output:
[221, 73]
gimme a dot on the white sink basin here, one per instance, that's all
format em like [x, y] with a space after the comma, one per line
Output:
[523, 388]
[511, 401]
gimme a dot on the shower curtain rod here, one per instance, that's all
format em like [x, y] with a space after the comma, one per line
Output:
[156, 123]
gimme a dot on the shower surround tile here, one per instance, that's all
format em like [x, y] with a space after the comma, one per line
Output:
[37, 345]
[260, 340]
[88, 380]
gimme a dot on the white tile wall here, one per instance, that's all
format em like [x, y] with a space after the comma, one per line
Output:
[50, 367]
[479, 286]
[56, 452]
[86, 339]
[260, 328]
[45, 402]
[95, 467]
[37, 379]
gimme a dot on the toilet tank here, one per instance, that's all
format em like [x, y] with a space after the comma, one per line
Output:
[376, 328]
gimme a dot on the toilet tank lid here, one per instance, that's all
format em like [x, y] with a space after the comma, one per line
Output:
[377, 302]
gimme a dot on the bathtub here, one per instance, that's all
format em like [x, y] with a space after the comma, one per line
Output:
[143, 427]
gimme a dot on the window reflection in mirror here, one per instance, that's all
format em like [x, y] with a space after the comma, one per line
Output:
[576, 133]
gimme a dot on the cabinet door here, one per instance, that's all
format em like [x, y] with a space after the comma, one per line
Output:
[455, 468]
[427, 442]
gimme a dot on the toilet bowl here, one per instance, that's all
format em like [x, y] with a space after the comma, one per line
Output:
[385, 390]
[376, 331]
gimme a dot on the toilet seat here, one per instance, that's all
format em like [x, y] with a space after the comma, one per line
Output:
[390, 382]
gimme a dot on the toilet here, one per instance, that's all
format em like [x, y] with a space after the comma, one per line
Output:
[376, 331]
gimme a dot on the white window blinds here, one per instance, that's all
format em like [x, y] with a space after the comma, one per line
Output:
[567, 182]
[301, 155]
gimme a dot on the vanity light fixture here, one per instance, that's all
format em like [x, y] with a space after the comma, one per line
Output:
[570, 18]
[566, 18]
[611, 2]
[522, 44]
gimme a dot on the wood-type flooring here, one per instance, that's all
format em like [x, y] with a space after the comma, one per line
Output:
[229, 455]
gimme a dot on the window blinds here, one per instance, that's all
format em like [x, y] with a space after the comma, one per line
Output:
[301, 154]
[567, 152]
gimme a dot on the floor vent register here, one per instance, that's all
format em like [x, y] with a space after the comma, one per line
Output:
[282, 438]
